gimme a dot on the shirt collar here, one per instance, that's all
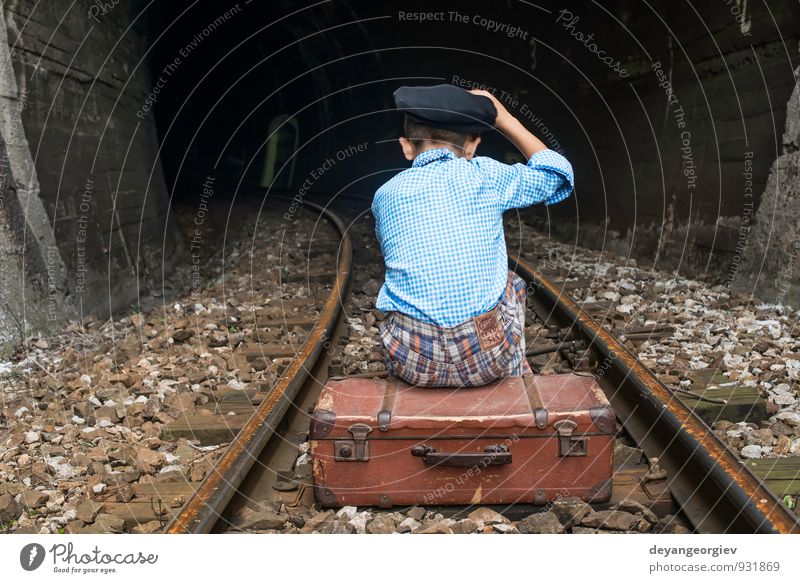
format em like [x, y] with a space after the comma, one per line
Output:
[429, 156]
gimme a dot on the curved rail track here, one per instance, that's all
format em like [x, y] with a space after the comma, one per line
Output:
[204, 507]
[715, 491]
[710, 486]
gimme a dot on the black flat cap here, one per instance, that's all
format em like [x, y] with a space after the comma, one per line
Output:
[447, 107]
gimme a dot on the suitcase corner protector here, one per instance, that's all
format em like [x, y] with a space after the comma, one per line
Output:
[604, 418]
[600, 492]
[325, 496]
[322, 422]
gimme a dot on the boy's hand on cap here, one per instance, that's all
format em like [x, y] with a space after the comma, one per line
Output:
[503, 117]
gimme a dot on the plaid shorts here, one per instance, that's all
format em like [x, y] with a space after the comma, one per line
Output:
[426, 355]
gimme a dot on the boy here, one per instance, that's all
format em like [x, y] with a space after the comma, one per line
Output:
[455, 313]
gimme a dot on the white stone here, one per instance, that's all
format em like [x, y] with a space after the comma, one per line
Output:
[99, 488]
[751, 451]
[237, 385]
[31, 436]
[347, 512]
[782, 397]
[789, 417]
[610, 295]
[61, 469]
[359, 521]
[410, 524]
[666, 359]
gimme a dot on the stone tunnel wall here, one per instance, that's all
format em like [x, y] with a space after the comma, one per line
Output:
[84, 221]
[681, 146]
[768, 262]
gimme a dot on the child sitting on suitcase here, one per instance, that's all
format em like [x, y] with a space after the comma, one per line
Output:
[456, 314]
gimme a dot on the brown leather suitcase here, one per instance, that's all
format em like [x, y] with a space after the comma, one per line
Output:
[519, 440]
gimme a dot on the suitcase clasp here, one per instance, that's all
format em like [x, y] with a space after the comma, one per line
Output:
[355, 450]
[569, 446]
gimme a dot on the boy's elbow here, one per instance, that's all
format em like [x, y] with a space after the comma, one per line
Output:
[562, 191]
[554, 174]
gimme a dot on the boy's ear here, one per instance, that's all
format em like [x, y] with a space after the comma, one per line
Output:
[471, 146]
[408, 148]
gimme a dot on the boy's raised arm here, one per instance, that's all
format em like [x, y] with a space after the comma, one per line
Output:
[527, 143]
[546, 178]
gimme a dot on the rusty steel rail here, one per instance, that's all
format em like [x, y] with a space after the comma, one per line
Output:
[715, 490]
[200, 513]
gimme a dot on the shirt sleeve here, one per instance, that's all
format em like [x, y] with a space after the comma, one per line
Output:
[375, 208]
[546, 178]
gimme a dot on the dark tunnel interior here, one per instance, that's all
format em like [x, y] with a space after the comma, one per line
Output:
[316, 84]
[680, 121]
[659, 118]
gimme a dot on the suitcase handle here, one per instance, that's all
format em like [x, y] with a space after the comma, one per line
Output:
[494, 455]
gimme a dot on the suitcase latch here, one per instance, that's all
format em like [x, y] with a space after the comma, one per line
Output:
[569, 446]
[356, 449]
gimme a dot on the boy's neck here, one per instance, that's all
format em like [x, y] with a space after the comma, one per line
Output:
[428, 145]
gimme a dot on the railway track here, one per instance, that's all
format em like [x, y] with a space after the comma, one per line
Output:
[208, 502]
[687, 470]
[714, 490]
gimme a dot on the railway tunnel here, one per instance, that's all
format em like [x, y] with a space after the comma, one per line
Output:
[177, 310]
[681, 121]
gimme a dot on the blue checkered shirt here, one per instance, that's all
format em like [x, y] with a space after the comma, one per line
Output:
[440, 226]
